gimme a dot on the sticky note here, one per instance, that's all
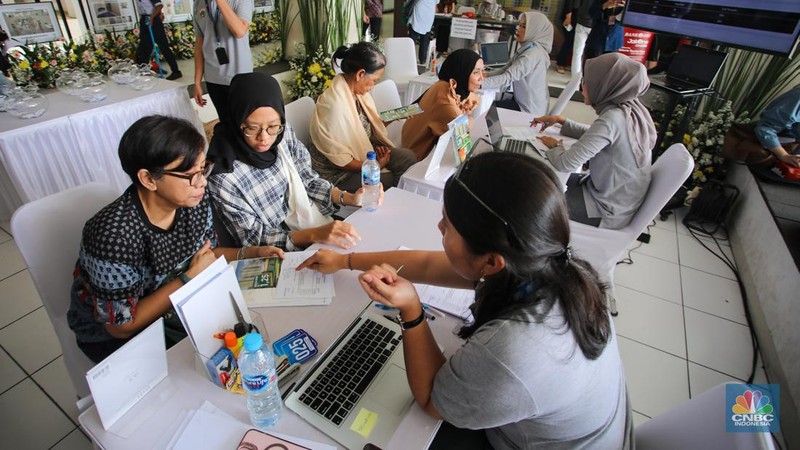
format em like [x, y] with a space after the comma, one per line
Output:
[365, 422]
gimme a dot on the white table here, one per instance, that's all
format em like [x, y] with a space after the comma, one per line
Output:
[76, 142]
[413, 180]
[405, 219]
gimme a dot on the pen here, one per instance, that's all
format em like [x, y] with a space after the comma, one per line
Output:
[431, 310]
[399, 269]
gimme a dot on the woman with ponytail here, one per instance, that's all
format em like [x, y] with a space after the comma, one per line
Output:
[540, 365]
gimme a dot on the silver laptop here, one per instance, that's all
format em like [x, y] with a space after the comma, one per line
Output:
[357, 393]
[505, 143]
[494, 54]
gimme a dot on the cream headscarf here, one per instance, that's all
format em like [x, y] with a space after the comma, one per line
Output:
[616, 80]
[538, 30]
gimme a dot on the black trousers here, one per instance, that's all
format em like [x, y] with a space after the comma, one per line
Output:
[424, 40]
[145, 47]
[374, 26]
[219, 96]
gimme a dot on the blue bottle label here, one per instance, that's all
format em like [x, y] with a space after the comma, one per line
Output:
[256, 383]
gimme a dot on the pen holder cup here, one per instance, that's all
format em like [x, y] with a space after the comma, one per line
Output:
[215, 367]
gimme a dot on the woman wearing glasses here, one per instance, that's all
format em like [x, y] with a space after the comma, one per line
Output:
[346, 125]
[617, 146]
[526, 72]
[540, 365]
[263, 184]
[149, 242]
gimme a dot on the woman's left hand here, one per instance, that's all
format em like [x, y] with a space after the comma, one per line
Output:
[382, 284]
[267, 251]
[358, 196]
[550, 142]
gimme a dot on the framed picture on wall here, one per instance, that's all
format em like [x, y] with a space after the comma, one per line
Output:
[29, 23]
[261, 6]
[177, 10]
[112, 15]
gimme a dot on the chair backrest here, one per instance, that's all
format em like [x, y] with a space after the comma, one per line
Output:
[401, 60]
[298, 115]
[698, 423]
[566, 95]
[48, 234]
[386, 96]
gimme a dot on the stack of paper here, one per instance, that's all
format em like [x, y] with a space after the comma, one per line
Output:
[293, 288]
[455, 302]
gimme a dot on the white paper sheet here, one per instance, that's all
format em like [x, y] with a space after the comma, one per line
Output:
[304, 283]
[455, 302]
[120, 380]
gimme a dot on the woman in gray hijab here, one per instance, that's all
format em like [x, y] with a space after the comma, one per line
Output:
[617, 146]
[527, 69]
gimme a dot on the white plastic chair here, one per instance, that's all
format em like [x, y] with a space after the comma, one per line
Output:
[48, 234]
[602, 248]
[698, 424]
[298, 115]
[401, 62]
[386, 97]
[566, 95]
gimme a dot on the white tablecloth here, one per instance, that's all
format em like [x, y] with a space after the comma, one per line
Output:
[75, 142]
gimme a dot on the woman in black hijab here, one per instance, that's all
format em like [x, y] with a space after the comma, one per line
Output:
[460, 76]
[263, 183]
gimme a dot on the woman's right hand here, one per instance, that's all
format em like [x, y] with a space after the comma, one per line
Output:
[202, 259]
[382, 284]
[384, 154]
[325, 261]
[338, 233]
[788, 158]
[198, 95]
[547, 121]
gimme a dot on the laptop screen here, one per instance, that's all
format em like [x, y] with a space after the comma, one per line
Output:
[494, 125]
[494, 53]
[696, 65]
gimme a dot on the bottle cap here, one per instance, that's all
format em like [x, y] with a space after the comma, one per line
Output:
[371, 155]
[252, 342]
[230, 339]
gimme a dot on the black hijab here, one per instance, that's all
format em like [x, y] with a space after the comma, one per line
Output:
[248, 92]
[458, 66]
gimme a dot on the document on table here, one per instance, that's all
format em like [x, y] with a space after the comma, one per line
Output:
[304, 283]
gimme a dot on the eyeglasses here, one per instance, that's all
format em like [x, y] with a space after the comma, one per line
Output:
[252, 131]
[512, 236]
[194, 177]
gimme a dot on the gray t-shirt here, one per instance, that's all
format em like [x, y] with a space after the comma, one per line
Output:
[239, 55]
[529, 385]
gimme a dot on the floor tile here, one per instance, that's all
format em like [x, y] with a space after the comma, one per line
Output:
[668, 224]
[693, 254]
[681, 228]
[74, 441]
[55, 381]
[5, 225]
[652, 276]
[663, 244]
[10, 372]
[702, 379]
[712, 294]
[31, 341]
[651, 321]
[718, 344]
[11, 259]
[657, 381]
[639, 419]
[30, 419]
[4, 237]
[19, 297]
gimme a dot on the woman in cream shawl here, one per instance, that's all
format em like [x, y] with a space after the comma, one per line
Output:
[617, 146]
[527, 69]
[345, 124]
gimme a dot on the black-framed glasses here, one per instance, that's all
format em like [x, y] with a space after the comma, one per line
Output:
[194, 177]
[252, 131]
[510, 233]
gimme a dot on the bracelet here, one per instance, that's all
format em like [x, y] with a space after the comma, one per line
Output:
[350, 260]
[240, 253]
[411, 324]
[185, 279]
[341, 198]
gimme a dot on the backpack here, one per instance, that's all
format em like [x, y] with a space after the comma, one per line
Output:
[407, 11]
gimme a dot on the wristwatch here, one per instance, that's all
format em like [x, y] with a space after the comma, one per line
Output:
[411, 324]
[185, 279]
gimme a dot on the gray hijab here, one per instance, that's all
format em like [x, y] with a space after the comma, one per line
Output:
[616, 80]
[538, 30]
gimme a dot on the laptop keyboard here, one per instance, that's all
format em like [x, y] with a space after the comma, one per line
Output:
[337, 388]
[515, 146]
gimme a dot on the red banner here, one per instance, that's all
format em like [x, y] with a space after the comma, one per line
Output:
[636, 44]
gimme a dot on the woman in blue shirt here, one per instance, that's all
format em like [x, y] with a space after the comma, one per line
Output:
[780, 121]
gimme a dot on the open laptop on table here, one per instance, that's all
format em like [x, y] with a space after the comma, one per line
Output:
[505, 143]
[494, 54]
[692, 69]
[357, 392]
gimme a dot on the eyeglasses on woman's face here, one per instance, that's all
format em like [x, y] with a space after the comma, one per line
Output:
[252, 131]
[194, 177]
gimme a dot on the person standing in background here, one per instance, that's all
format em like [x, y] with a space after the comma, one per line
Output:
[562, 60]
[419, 27]
[578, 13]
[373, 17]
[778, 129]
[221, 48]
[152, 21]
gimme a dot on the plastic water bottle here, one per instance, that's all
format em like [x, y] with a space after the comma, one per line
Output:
[370, 181]
[260, 382]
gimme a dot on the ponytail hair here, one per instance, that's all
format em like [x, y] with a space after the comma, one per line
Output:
[528, 225]
[358, 56]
